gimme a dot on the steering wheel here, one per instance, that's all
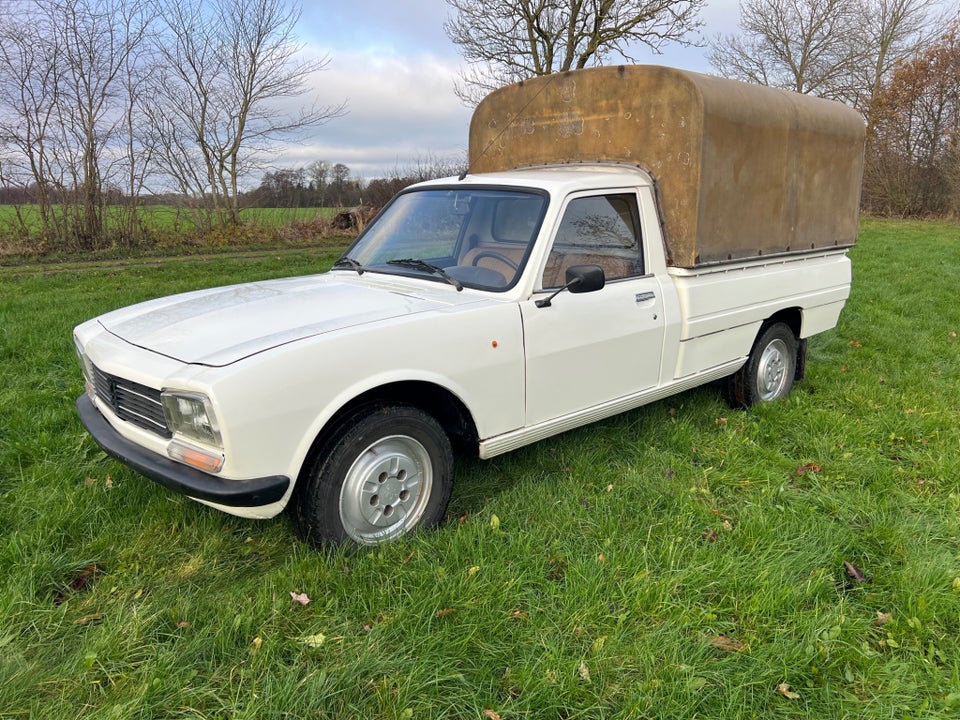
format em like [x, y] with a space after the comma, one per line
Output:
[496, 256]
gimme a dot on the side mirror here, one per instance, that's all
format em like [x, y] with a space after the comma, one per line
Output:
[580, 279]
[585, 278]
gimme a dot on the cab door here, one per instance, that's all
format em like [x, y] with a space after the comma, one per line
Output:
[586, 349]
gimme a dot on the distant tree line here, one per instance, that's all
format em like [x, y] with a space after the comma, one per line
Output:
[321, 184]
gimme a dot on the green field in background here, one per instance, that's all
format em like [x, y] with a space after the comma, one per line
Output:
[679, 561]
[167, 217]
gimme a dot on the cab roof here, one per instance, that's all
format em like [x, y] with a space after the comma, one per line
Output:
[557, 179]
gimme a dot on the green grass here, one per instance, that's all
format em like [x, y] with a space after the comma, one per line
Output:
[682, 560]
[168, 217]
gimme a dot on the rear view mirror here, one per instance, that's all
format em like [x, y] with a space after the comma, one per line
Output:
[580, 279]
[585, 278]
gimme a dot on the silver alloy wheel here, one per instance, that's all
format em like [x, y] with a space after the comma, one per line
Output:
[772, 370]
[386, 490]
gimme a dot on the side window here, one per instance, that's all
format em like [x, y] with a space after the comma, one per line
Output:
[599, 230]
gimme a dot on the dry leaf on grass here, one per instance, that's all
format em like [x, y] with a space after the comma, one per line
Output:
[584, 672]
[727, 644]
[491, 715]
[79, 582]
[785, 690]
[854, 572]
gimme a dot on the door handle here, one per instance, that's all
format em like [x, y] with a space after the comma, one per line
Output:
[644, 296]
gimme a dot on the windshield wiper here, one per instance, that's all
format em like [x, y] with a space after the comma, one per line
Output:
[417, 264]
[350, 263]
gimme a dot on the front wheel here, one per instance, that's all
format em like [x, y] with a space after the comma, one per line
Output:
[387, 471]
[770, 370]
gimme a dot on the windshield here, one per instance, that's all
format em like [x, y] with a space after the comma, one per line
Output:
[473, 237]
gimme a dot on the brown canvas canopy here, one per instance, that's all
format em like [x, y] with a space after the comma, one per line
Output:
[743, 170]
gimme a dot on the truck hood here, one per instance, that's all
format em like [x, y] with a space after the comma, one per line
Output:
[219, 326]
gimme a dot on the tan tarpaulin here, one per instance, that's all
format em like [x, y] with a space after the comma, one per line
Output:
[743, 170]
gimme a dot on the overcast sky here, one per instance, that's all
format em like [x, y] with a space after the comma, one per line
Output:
[393, 65]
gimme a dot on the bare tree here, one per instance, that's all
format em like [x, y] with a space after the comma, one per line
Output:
[842, 49]
[430, 166]
[799, 45]
[891, 32]
[137, 140]
[95, 39]
[505, 41]
[29, 71]
[217, 103]
[319, 173]
[340, 173]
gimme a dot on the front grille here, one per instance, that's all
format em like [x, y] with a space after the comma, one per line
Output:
[130, 401]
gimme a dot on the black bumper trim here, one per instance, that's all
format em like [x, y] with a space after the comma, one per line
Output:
[175, 476]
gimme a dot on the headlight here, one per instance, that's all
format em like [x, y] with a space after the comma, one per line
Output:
[191, 416]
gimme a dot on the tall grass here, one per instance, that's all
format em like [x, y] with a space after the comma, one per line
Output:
[799, 560]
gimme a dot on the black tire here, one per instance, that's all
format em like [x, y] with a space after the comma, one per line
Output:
[770, 369]
[386, 472]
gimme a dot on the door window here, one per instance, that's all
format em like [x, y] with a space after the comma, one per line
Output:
[599, 230]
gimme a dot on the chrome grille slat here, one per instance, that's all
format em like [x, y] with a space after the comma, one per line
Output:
[130, 401]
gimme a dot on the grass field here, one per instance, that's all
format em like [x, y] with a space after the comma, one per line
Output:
[799, 560]
[167, 217]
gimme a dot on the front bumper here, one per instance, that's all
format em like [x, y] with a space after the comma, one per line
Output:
[175, 476]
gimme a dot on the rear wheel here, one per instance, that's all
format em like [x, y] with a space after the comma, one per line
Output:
[387, 472]
[770, 370]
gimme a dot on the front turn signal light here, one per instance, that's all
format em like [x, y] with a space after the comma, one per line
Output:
[195, 457]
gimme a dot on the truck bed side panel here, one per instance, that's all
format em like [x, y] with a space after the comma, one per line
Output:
[723, 307]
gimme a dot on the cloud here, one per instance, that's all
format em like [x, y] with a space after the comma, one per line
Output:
[399, 109]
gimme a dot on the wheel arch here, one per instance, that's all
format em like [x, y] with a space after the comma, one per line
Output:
[792, 317]
[434, 399]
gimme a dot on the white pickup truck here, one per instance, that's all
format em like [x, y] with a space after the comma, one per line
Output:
[481, 313]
